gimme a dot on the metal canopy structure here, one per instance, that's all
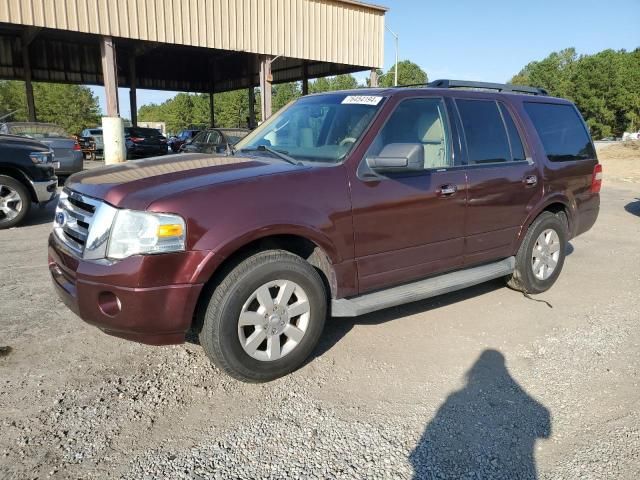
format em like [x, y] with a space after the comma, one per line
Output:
[203, 46]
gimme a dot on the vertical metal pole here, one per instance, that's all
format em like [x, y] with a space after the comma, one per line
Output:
[305, 79]
[395, 73]
[373, 78]
[112, 125]
[252, 108]
[265, 87]
[26, 66]
[133, 102]
[395, 70]
[212, 114]
[110, 75]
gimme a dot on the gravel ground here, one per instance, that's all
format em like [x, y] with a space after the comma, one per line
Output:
[482, 383]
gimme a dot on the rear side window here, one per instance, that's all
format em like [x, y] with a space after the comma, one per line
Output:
[484, 131]
[561, 131]
[517, 150]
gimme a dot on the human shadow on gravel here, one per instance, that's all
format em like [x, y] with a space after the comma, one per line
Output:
[633, 207]
[488, 429]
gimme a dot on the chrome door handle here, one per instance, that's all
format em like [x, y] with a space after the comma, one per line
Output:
[446, 190]
[530, 180]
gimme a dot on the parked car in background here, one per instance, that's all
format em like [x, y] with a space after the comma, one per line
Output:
[96, 134]
[340, 204]
[214, 140]
[27, 177]
[185, 135]
[144, 142]
[66, 149]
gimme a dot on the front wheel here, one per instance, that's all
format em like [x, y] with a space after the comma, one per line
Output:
[265, 318]
[15, 202]
[540, 258]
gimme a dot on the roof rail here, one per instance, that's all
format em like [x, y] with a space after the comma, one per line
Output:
[501, 87]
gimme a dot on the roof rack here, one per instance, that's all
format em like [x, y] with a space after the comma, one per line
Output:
[500, 87]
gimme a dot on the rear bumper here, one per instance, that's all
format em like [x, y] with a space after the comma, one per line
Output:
[146, 151]
[159, 315]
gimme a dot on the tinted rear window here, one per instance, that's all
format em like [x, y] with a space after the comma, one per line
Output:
[143, 132]
[561, 131]
[484, 131]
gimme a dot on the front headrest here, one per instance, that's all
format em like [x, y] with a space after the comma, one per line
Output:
[430, 128]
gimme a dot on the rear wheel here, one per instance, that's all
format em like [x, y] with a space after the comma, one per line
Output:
[540, 258]
[265, 318]
[15, 202]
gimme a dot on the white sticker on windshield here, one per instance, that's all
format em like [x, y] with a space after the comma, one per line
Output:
[361, 100]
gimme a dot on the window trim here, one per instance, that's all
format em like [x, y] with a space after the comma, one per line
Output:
[521, 132]
[463, 136]
[364, 173]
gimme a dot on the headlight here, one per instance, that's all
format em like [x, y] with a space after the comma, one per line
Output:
[136, 233]
[41, 157]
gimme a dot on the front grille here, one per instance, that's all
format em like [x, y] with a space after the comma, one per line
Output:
[72, 222]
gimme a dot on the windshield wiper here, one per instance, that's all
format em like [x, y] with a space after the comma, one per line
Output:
[273, 151]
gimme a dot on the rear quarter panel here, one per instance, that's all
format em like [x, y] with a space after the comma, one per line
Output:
[568, 183]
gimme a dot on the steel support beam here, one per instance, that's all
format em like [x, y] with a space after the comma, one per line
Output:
[28, 86]
[133, 101]
[373, 78]
[265, 86]
[110, 75]
[305, 79]
[212, 113]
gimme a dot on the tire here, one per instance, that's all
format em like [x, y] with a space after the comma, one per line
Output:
[14, 211]
[526, 276]
[223, 338]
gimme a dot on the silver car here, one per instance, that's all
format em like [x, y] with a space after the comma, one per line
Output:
[96, 133]
[65, 148]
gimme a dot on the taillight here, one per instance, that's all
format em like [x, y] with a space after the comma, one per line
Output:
[76, 146]
[596, 179]
[136, 139]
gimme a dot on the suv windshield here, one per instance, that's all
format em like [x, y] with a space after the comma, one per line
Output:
[317, 128]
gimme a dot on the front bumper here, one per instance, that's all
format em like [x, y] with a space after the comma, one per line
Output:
[45, 191]
[155, 315]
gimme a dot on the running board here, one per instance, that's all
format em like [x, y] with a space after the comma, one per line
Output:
[411, 292]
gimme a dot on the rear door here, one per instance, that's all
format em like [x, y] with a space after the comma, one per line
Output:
[503, 182]
[410, 225]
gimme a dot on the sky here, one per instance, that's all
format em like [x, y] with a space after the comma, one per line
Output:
[487, 41]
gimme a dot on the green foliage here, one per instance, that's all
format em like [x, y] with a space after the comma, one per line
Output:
[329, 84]
[72, 107]
[409, 73]
[604, 86]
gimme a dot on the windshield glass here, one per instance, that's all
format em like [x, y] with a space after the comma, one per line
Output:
[36, 130]
[318, 128]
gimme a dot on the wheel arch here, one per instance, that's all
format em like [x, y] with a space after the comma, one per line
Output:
[21, 177]
[219, 264]
[558, 205]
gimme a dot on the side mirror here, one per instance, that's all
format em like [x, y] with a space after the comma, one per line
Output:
[398, 157]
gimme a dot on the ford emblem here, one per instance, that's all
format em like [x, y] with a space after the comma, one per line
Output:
[60, 218]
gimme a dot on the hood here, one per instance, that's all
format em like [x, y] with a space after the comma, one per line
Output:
[16, 141]
[138, 183]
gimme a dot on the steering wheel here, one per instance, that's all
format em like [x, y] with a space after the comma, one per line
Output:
[347, 141]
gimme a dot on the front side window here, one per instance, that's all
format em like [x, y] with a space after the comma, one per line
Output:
[484, 132]
[317, 128]
[561, 131]
[419, 121]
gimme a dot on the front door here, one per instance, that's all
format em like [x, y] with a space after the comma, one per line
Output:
[503, 182]
[411, 225]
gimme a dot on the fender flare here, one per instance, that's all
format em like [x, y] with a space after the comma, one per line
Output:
[569, 206]
[217, 256]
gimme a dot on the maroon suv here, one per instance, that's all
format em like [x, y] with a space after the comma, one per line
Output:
[340, 204]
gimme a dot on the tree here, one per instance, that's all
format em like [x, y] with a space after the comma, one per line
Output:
[72, 107]
[605, 86]
[409, 73]
[329, 84]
